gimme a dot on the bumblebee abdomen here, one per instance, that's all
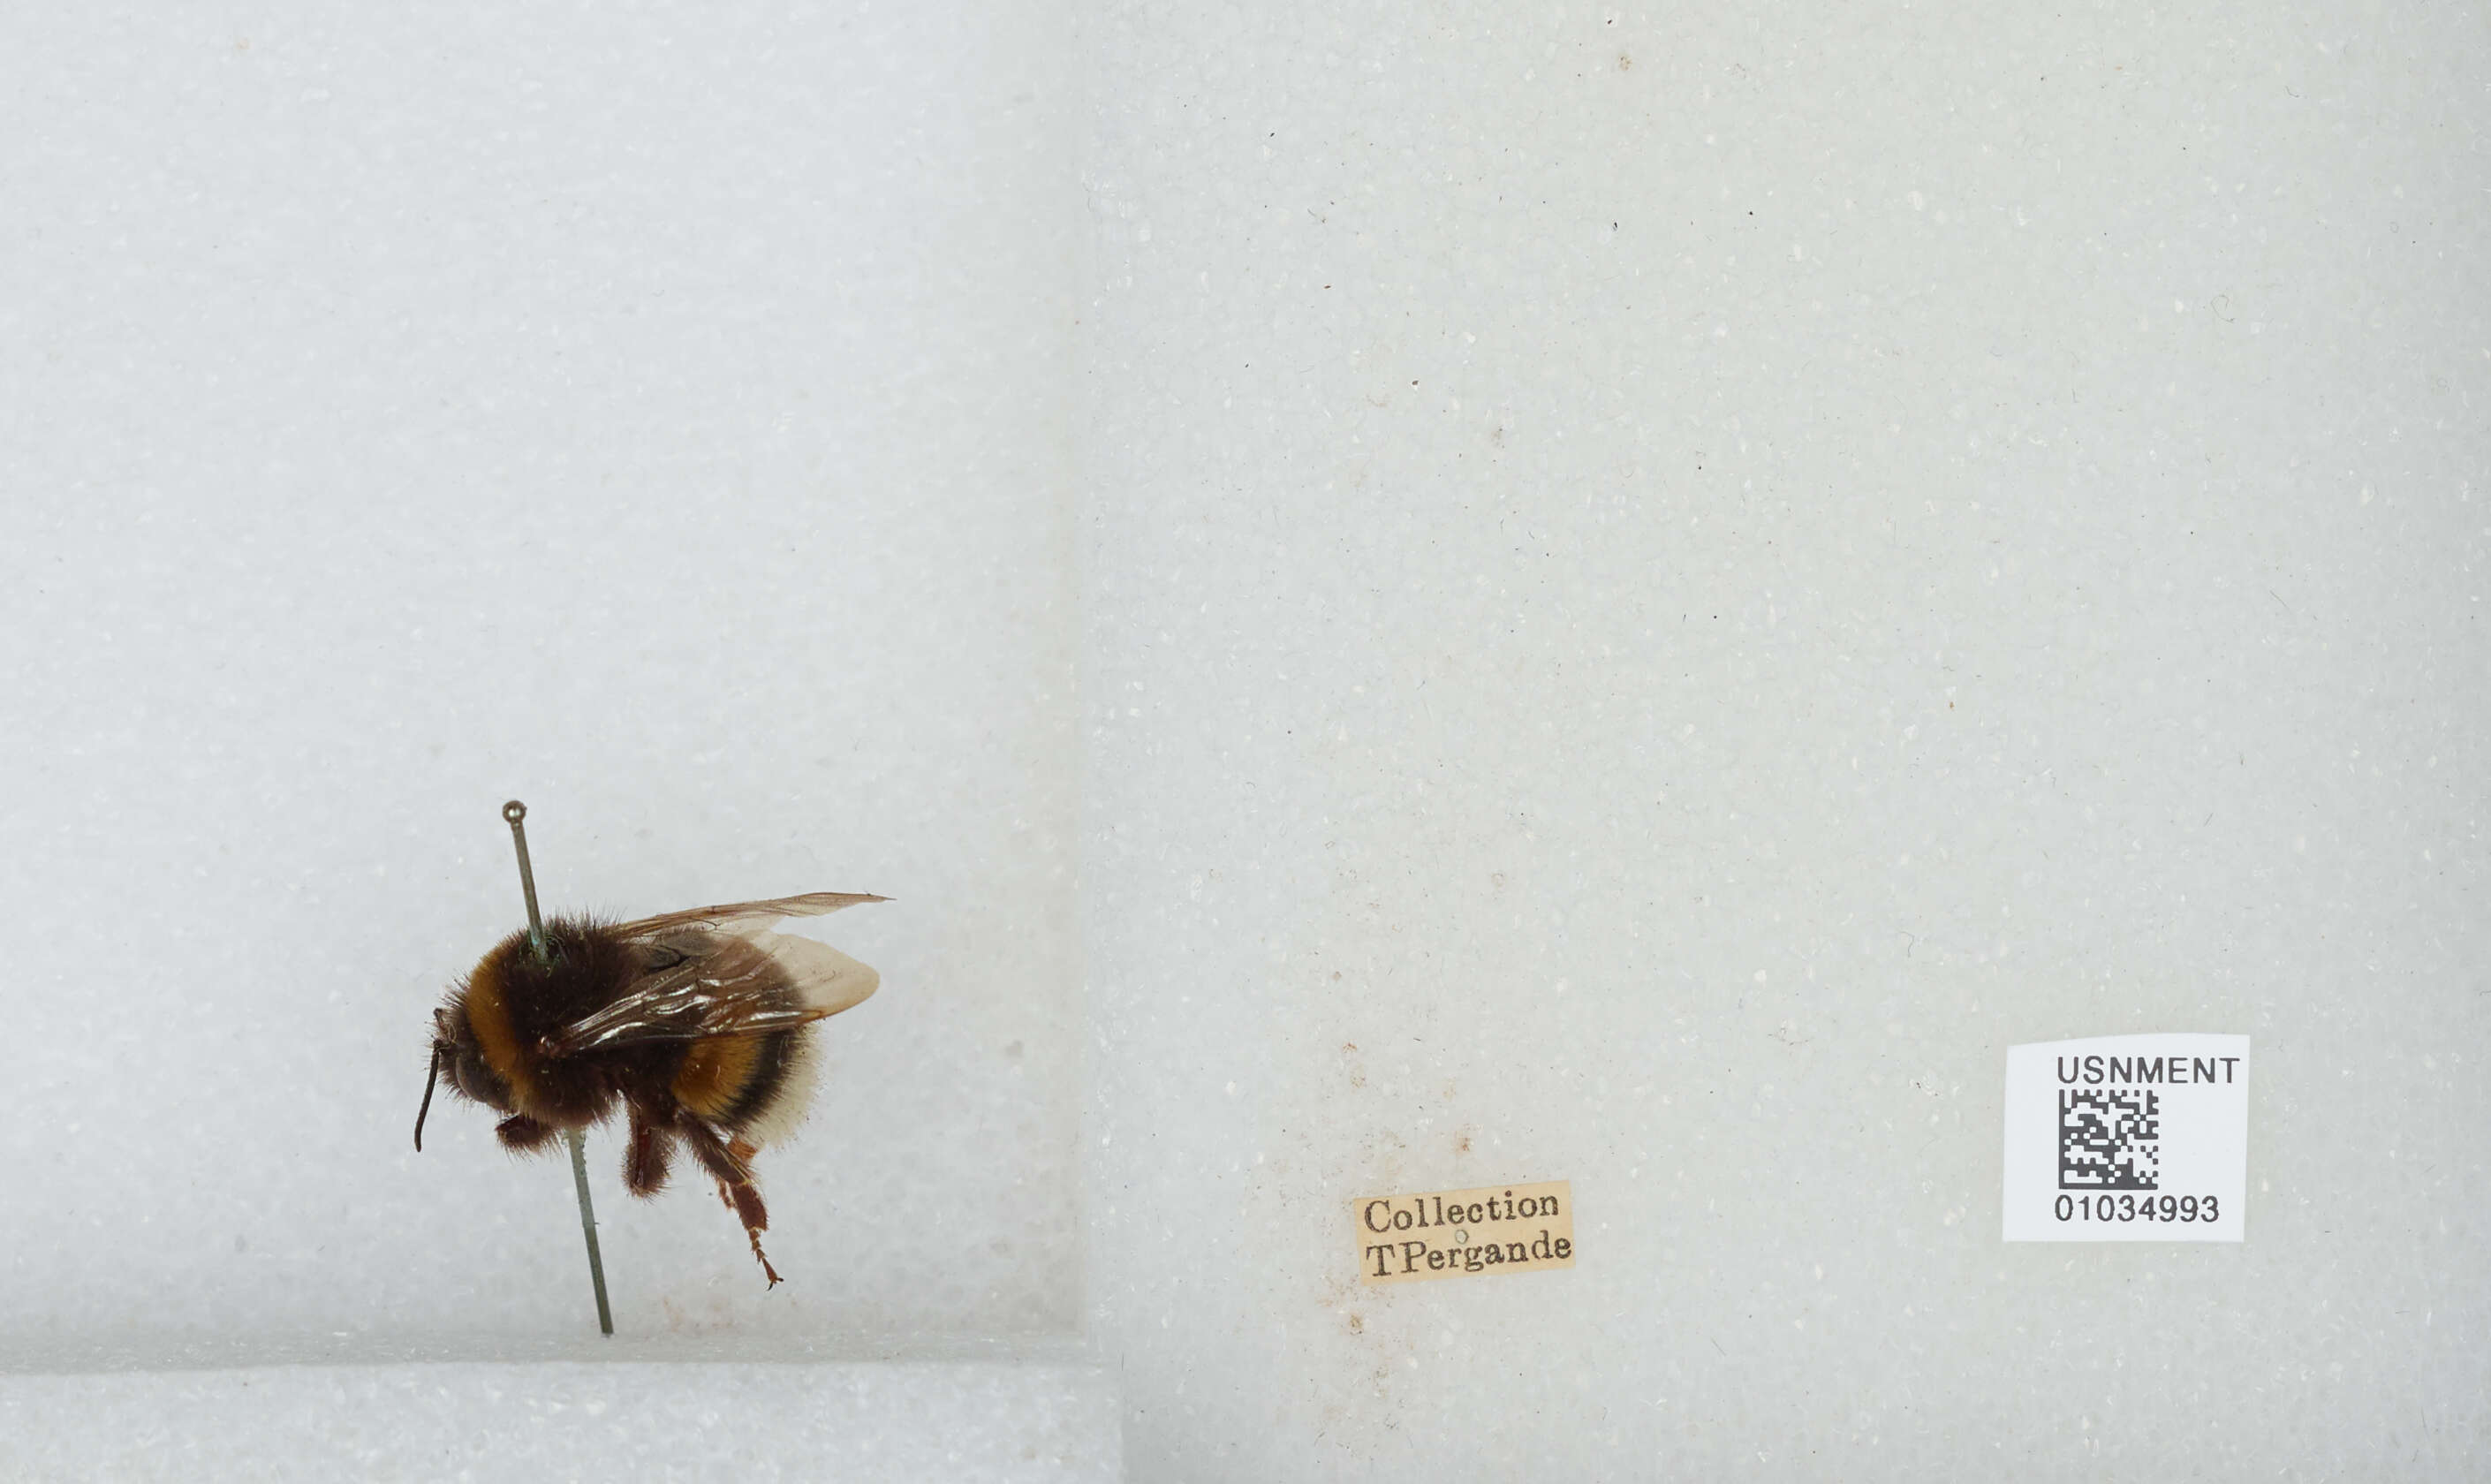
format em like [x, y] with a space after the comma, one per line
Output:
[717, 1072]
[755, 1086]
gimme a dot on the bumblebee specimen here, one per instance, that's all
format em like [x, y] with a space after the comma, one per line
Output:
[698, 1023]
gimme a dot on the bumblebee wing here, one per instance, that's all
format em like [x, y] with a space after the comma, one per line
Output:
[736, 917]
[826, 980]
[704, 984]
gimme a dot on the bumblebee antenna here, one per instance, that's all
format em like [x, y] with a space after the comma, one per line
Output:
[517, 813]
[429, 1078]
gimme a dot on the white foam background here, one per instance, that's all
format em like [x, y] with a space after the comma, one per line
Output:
[1669, 581]
[658, 415]
[1652, 589]
[902, 1423]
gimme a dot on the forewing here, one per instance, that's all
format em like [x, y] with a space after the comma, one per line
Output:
[736, 917]
[724, 984]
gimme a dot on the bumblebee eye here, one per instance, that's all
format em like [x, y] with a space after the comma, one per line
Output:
[477, 1080]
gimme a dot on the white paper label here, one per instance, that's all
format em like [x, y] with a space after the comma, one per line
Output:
[2127, 1137]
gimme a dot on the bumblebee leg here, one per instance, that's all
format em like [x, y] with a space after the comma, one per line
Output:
[734, 1184]
[520, 1133]
[651, 1151]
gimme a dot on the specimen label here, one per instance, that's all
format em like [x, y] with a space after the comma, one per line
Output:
[2127, 1137]
[1464, 1234]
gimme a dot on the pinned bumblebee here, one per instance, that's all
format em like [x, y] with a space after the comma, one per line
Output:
[696, 1024]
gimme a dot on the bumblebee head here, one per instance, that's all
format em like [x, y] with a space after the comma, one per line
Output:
[456, 1049]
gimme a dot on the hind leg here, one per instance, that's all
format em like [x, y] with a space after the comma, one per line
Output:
[734, 1184]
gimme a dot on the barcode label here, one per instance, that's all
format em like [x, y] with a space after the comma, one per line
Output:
[2127, 1137]
[2109, 1140]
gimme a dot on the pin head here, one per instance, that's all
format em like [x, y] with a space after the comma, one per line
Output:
[515, 811]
